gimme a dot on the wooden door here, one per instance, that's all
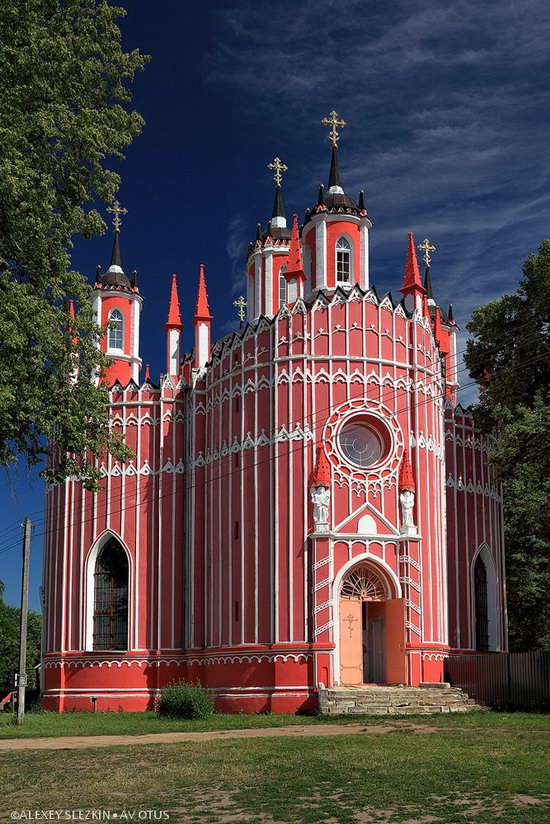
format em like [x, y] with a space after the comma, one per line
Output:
[396, 671]
[351, 642]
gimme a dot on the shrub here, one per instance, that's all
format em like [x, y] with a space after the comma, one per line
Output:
[185, 700]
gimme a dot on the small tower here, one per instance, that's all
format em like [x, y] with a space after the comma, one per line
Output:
[412, 289]
[202, 323]
[294, 273]
[335, 236]
[173, 332]
[266, 284]
[117, 304]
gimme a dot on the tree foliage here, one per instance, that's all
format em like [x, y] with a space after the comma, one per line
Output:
[9, 645]
[64, 93]
[509, 357]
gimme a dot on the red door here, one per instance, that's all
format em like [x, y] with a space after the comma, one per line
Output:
[351, 642]
[396, 671]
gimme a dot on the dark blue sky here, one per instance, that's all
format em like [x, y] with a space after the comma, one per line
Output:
[447, 110]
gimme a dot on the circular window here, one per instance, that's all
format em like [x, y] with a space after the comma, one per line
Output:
[361, 444]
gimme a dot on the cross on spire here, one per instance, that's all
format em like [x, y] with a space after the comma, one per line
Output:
[240, 303]
[426, 247]
[278, 167]
[117, 210]
[334, 122]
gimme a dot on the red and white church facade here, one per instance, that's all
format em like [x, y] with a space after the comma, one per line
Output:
[308, 505]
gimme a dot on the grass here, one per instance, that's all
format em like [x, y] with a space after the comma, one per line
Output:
[47, 725]
[480, 768]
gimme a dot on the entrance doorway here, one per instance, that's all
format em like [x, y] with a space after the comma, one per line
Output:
[372, 631]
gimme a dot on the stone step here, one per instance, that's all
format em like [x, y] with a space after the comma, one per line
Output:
[394, 700]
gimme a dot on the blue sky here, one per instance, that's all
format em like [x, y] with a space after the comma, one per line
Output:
[447, 112]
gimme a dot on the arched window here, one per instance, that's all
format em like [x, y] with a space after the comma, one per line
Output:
[110, 628]
[282, 286]
[481, 605]
[343, 260]
[116, 330]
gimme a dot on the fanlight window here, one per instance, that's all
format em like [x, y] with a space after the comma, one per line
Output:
[363, 584]
[481, 605]
[111, 598]
[282, 286]
[343, 260]
[116, 325]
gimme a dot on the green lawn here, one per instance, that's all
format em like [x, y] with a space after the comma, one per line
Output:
[45, 724]
[480, 768]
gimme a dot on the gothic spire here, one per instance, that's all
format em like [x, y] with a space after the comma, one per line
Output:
[173, 321]
[334, 182]
[411, 276]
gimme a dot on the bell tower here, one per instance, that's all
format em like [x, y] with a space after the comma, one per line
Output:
[335, 236]
[117, 304]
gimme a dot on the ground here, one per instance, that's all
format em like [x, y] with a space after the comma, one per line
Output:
[483, 767]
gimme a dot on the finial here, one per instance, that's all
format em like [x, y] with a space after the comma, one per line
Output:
[321, 195]
[147, 372]
[240, 303]
[333, 122]
[278, 168]
[117, 210]
[426, 247]
[450, 313]
[361, 201]
[258, 232]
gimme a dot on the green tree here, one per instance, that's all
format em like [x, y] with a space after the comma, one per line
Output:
[9, 645]
[64, 91]
[509, 357]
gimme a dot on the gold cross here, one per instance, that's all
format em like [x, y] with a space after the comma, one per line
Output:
[117, 210]
[278, 167]
[240, 303]
[334, 122]
[427, 248]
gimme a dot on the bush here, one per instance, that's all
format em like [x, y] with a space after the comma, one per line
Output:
[185, 700]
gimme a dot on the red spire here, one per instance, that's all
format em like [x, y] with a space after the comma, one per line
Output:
[321, 472]
[147, 372]
[406, 477]
[174, 318]
[295, 268]
[71, 309]
[202, 310]
[412, 282]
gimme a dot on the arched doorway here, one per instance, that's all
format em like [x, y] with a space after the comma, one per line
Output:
[110, 617]
[372, 629]
[481, 605]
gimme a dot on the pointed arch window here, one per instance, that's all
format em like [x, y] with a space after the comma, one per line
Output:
[116, 330]
[282, 286]
[481, 605]
[110, 626]
[343, 261]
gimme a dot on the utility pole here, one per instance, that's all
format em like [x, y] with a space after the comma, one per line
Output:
[22, 676]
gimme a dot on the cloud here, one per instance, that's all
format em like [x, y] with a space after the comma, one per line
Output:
[447, 124]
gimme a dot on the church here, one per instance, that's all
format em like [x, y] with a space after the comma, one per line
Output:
[308, 505]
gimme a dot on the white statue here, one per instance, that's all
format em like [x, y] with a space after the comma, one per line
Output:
[407, 505]
[320, 496]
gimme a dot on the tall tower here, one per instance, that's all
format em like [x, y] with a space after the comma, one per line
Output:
[117, 304]
[335, 236]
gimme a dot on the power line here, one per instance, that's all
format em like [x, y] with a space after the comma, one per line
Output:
[157, 498]
[311, 414]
